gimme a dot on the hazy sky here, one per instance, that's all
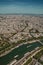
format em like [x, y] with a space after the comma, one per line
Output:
[21, 6]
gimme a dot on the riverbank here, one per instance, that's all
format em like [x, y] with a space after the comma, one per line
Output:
[28, 42]
[17, 51]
